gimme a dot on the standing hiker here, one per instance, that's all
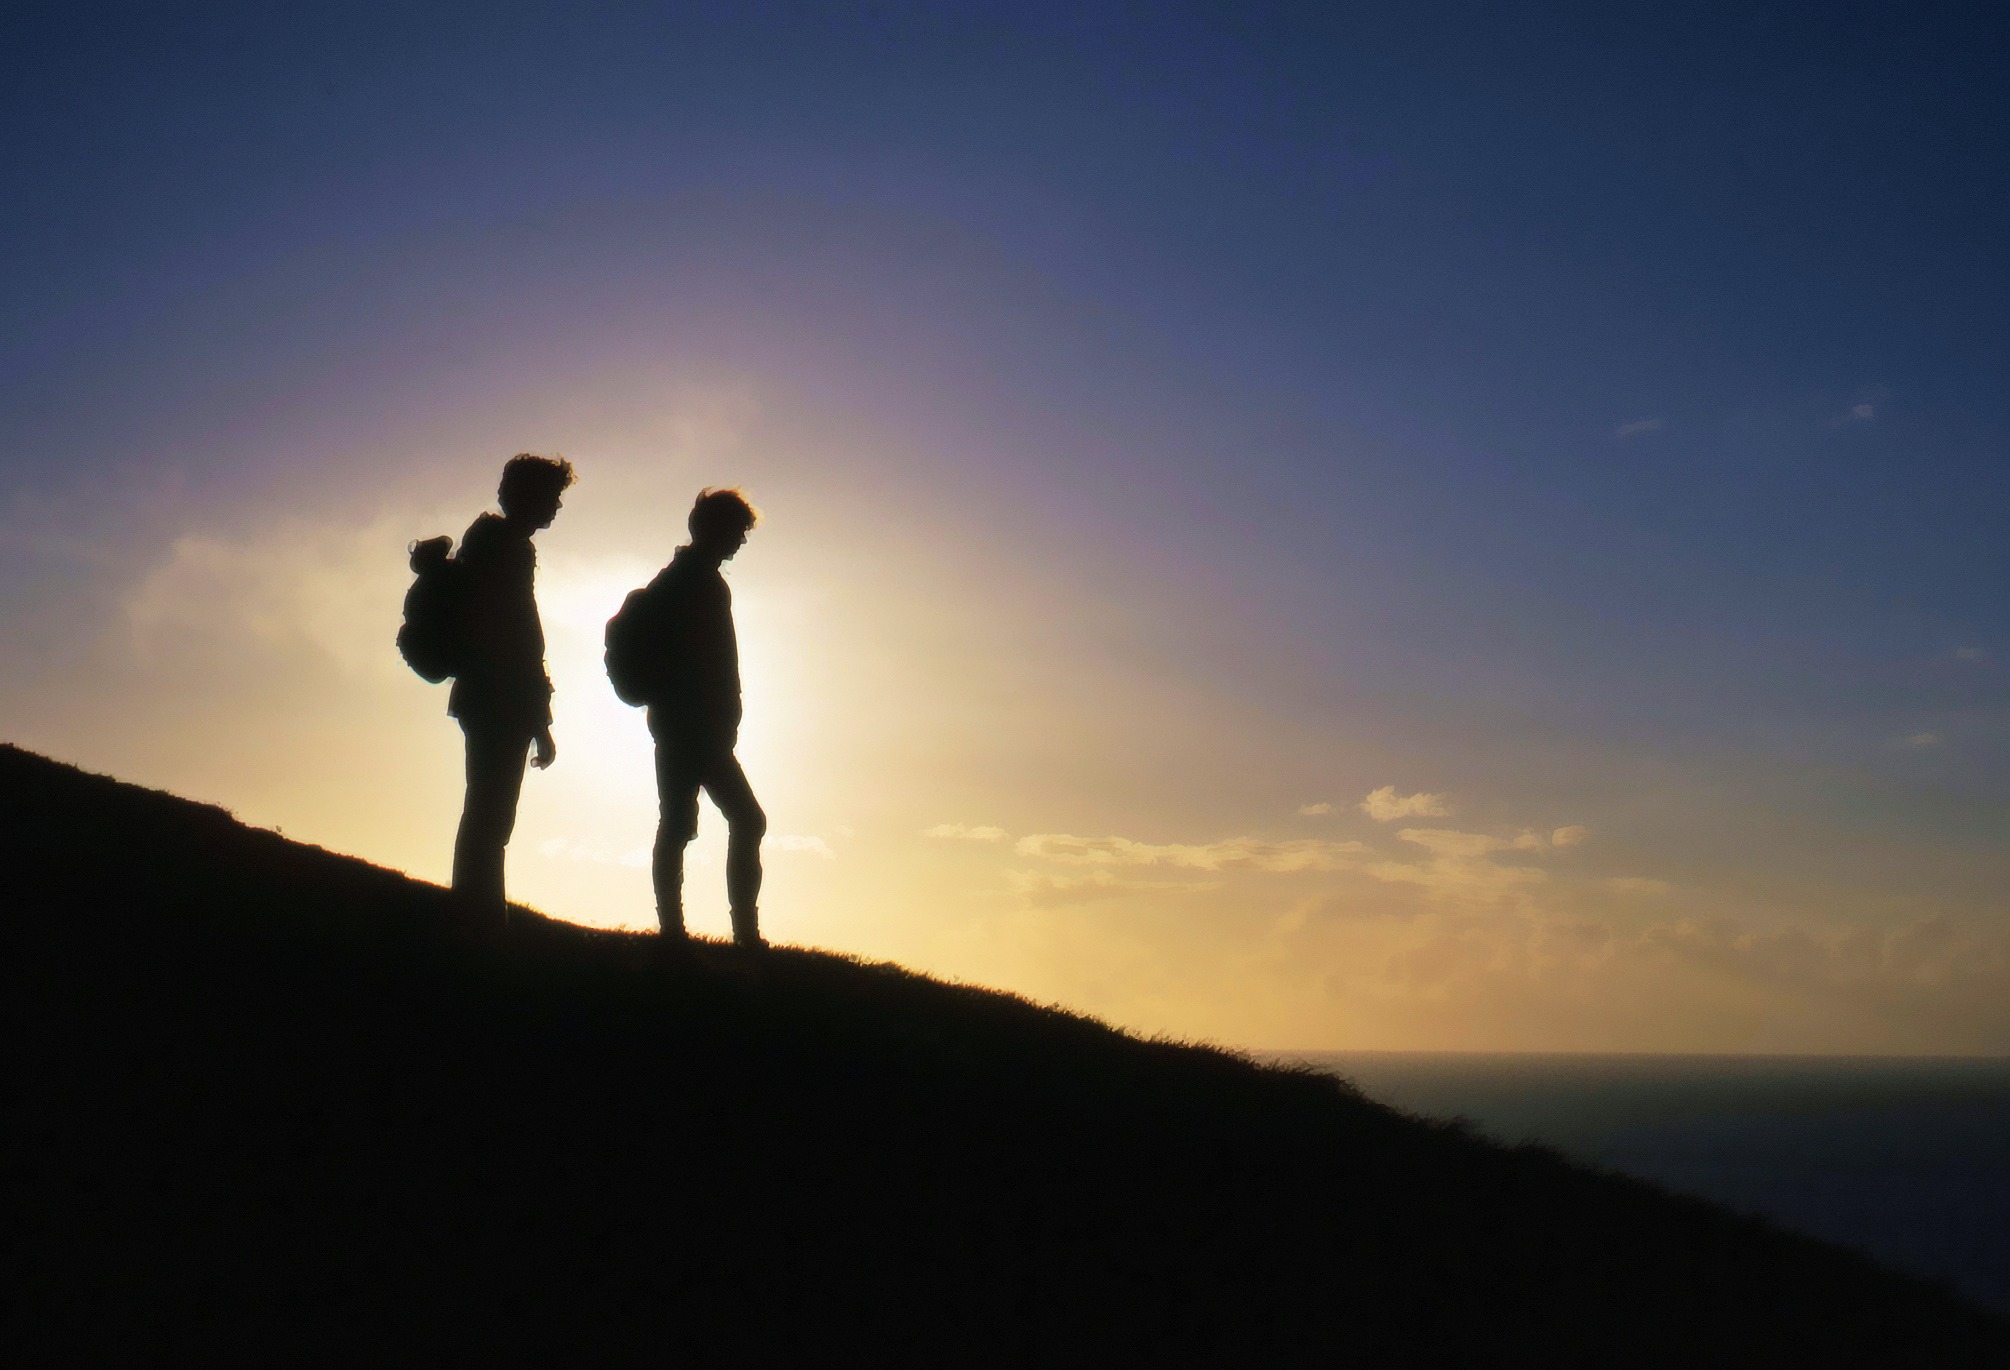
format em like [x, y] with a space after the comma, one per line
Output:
[672, 648]
[501, 694]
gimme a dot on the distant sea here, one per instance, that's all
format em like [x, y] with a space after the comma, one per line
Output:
[1905, 1158]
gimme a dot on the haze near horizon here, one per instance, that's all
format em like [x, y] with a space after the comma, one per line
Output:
[1310, 529]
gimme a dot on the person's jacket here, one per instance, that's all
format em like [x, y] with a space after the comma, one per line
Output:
[503, 681]
[700, 694]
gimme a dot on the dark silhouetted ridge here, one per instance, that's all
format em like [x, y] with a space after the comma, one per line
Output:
[272, 1106]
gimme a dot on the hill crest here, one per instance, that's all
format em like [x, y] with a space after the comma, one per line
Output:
[274, 1101]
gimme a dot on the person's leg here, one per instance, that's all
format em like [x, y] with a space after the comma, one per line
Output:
[676, 824]
[746, 825]
[495, 763]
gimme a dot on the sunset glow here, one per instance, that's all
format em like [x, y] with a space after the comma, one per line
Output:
[1304, 560]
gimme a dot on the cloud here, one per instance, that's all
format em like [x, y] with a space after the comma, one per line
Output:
[1460, 864]
[1042, 889]
[1345, 907]
[1526, 976]
[1467, 845]
[815, 846]
[1863, 411]
[1454, 876]
[1636, 884]
[1929, 954]
[329, 589]
[1969, 654]
[1235, 853]
[1470, 844]
[1638, 426]
[966, 833]
[1314, 810]
[1920, 741]
[1385, 805]
[572, 849]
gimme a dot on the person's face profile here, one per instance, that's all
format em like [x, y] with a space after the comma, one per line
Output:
[719, 543]
[544, 509]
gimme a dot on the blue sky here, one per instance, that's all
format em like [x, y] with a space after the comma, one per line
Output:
[1555, 400]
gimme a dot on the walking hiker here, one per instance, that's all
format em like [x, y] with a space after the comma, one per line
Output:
[672, 648]
[501, 693]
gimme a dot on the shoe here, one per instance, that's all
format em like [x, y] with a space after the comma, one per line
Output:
[747, 931]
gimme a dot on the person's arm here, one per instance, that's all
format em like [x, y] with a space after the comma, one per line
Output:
[547, 750]
[719, 682]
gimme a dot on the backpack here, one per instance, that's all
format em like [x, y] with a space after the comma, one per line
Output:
[431, 638]
[639, 647]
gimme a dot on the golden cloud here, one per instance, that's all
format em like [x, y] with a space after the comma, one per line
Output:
[966, 832]
[1042, 889]
[1385, 805]
[1235, 853]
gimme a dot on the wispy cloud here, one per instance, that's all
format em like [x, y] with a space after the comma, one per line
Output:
[1478, 871]
[1637, 427]
[1920, 741]
[1548, 980]
[967, 833]
[1452, 842]
[1865, 410]
[1969, 654]
[1314, 810]
[1637, 884]
[1043, 889]
[1461, 864]
[1931, 954]
[1453, 877]
[815, 846]
[572, 849]
[1385, 805]
[296, 584]
[1235, 853]
[1467, 845]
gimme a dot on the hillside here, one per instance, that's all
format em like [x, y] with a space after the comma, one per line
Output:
[273, 1106]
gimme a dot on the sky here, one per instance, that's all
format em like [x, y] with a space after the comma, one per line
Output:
[1438, 526]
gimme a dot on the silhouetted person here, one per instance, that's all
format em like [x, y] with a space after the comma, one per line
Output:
[694, 715]
[501, 694]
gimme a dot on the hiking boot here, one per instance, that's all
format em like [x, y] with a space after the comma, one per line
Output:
[747, 930]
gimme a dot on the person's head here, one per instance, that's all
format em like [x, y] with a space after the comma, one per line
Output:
[532, 487]
[720, 520]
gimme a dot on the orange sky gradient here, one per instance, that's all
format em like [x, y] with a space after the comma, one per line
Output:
[1306, 527]
[1002, 753]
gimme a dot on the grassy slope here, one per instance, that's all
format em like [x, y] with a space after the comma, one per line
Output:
[272, 1103]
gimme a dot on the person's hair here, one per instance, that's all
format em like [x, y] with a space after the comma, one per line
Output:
[722, 513]
[527, 476]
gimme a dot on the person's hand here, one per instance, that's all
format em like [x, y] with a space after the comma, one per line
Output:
[547, 750]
